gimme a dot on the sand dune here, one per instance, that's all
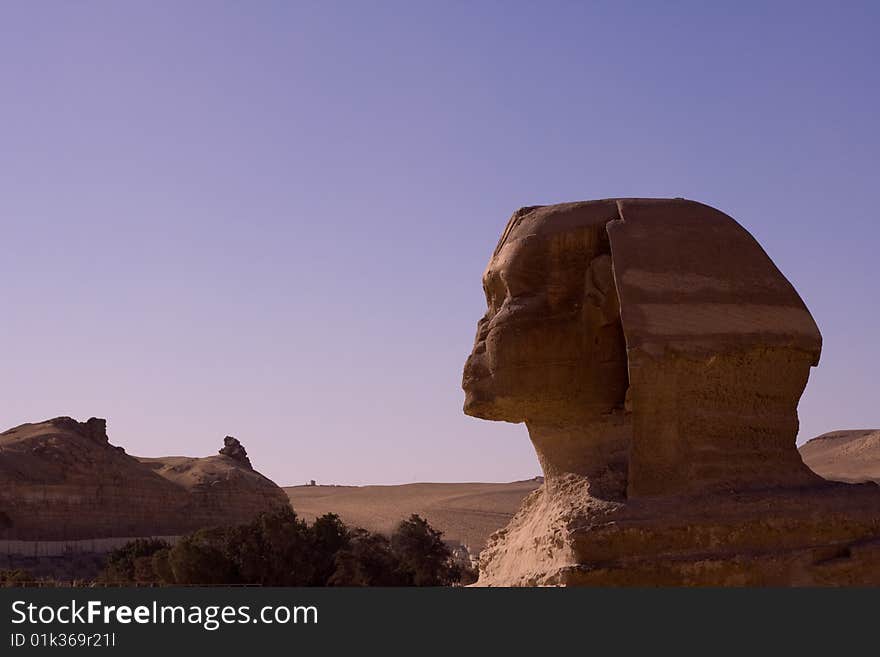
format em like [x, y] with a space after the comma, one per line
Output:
[850, 455]
[465, 512]
[470, 512]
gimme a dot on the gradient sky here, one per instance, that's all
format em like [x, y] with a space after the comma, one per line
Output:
[269, 219]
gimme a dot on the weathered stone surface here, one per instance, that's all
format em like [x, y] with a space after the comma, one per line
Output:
[819, 535]
[221, 488]
[656, 355]
[63, 480]
[235, 450]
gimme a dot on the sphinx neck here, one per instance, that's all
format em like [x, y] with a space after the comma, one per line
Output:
[595, 448]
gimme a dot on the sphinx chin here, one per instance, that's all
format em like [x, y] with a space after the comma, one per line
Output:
[481, 407]
[482, 404]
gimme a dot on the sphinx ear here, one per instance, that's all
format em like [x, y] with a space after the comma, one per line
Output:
[599, 289]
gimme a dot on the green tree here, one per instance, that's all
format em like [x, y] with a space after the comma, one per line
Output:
[276, 549]
[132, 562]
[280, 549]
[422, 553]
[162, 566]
[368, 561]
[330, 536]
[198, 560]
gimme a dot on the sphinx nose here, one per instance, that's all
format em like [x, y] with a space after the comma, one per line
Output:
[482, 331]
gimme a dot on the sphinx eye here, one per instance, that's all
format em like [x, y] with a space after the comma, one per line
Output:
[495, 290]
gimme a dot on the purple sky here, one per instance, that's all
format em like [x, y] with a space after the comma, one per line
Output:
[270, 219]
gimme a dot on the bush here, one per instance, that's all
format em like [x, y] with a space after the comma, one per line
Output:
[280, 549]
[367, 561]
[199, 560]
[424, 557]
[132, 563]
[13, 578]
[276, 549]
[162, 570]
[331, 537]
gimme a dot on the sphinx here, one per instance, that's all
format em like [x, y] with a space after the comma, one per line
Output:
[657, 355]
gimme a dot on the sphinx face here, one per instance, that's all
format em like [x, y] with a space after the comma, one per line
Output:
[550, 345]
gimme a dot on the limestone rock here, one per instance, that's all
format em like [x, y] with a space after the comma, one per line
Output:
[812, 536]
[656, 355]
[63, 480]
[235, 450]
[222, 489]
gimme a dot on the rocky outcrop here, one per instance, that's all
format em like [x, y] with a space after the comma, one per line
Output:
[657, 355]
[63, 480]
[236, 451]
[221, 486]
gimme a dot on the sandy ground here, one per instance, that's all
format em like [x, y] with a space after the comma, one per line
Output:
[470, 512]
[851, 455]
[467, 512]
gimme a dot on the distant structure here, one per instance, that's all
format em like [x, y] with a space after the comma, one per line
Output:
[312, 482]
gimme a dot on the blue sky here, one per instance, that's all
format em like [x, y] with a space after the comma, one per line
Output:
[270, 219]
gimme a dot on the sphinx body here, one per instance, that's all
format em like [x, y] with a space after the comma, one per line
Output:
[657, 355]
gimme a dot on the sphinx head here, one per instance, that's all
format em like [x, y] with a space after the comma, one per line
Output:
[550, 346]
[648, 344]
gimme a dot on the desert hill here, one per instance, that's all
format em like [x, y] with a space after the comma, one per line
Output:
[470, 512]
[63, 480]
[219, 486]
[850, 455]
[464, 512]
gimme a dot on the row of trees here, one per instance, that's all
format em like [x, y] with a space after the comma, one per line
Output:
[280, 549]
